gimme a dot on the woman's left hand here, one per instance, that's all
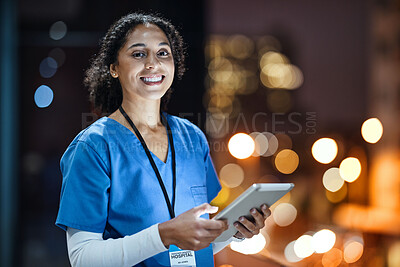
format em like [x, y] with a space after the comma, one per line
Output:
[247, 228]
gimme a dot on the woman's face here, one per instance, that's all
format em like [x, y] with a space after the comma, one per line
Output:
[145, 66]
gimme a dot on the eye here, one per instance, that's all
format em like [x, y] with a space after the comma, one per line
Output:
[138, 54]
[163, 53]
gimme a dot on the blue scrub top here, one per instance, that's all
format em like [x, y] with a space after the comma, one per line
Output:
[110, 187]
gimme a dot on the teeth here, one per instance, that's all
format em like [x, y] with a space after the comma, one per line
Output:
[152, 79]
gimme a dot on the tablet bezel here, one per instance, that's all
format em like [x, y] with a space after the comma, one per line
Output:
[253, 197]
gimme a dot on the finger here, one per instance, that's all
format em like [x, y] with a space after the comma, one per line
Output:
[266, 211]
[214, 224]
[258, 218]
[242, 230]
[248, 224]
[204, 208]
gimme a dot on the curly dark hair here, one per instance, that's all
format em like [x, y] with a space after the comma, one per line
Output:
[105, 91]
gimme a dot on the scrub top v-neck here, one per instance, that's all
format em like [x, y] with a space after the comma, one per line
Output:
[110, 187]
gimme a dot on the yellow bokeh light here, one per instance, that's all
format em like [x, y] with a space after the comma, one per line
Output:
[290, 255]
[240, 46]
[286, 161]
[394, 255]
[332, 180]
[250, 245]
[232, 175]
[220, 69]
[372, 130]
[273, 144]
[350, 169]
[241, 146]
[303, 246]
[337, 196]
[284, 214]
[324, 150]
[272, 57]
[222, 197]
[332, 258]
[323, 240]
[353, 251]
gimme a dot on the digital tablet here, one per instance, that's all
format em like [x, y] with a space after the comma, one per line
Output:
[253, 197]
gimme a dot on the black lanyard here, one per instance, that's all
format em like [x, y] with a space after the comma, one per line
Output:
[146, 149]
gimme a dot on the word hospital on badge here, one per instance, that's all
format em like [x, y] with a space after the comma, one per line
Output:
[180, 258]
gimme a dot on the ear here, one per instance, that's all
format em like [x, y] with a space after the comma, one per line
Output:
[114, 70]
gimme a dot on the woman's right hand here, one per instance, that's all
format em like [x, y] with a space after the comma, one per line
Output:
[190, 232]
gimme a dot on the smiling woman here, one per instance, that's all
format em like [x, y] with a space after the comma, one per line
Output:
[127, 198]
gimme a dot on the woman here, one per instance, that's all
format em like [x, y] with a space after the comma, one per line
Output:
[137, 183]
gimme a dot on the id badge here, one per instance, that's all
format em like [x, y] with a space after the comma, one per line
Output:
[181, 258]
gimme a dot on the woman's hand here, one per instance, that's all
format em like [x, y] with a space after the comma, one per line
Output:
[189, 231]
[247, 228]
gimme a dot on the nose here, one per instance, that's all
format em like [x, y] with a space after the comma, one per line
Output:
[151, 62]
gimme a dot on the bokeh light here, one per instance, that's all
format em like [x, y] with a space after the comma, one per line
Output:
[240, 46]
[241, 146]
[303, 246]
[250, 245]
[350, 169]
[286, 161]
[220, 69]
[48, 67]
[43, 96]
[353, 251]
[324, 150]
[323, 240]
[332, 180]
[290, 255]
[284, 141]
[261, 144]
[58, 30]
[372, 130]
[332, 258]
[222, 196]
[59, 55]
[393, 256]
[337, 196]
[284, 214]
[232, 175]
[273, 144]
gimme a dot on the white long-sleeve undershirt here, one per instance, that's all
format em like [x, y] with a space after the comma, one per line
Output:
[90, 249]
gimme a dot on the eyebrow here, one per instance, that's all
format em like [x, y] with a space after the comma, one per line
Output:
[143, 45]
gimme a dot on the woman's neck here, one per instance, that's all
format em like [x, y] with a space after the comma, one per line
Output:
[143, 112]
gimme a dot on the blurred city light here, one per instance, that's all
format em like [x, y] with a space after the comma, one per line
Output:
[332, 180]
[286, 161]
[43, 96]
[332, 258]
[350, 169]
[250, 245]
[261, 143]
[372, 130]
[241, 146]
[337, 196]
[303, 246]
[273, 144]
[394, 255]
[284, 214]
[240, 46]
[232, 175]
[58, 30]
[353, 251]
[222, 196]
[58, 55]
[324, 150]
[290, 254]
[48, 67]
[323, 240]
